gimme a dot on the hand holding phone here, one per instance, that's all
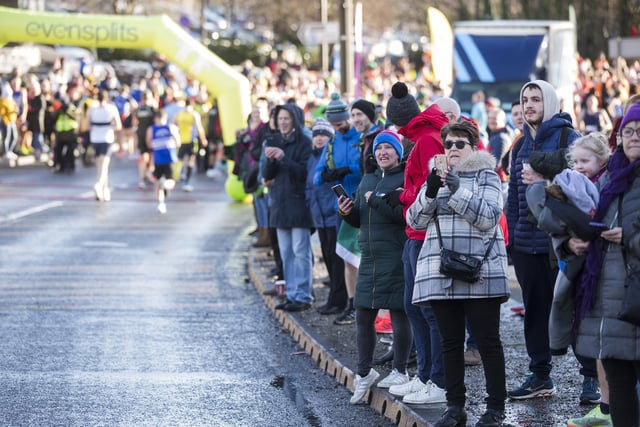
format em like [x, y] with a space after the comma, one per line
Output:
[599, 226]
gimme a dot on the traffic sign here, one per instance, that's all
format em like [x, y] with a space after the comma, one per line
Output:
[312, 33]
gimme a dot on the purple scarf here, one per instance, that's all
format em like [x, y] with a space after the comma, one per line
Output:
[621, 176]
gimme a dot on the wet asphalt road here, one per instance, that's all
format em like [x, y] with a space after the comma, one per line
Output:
[114, 315]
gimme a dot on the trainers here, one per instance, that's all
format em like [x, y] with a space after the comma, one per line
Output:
[162, 208]
[187, 188]
[430, 393]
[346, 318]
[142, 185]
[472, 357]
[362, 385]
[394, 378]
[590, 391]
[594, 418]
[383, 324]
[407, 388]
[533, 387]
[106, 194]
[491, 418]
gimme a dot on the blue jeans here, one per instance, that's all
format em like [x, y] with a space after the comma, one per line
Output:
[426, 335]
[261, 210]
[295, 250]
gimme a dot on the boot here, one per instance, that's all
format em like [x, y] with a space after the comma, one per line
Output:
[263, 240]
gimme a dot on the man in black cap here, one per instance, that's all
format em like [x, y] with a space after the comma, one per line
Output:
[363, 117]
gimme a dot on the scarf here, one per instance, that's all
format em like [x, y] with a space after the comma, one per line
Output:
[621, 174]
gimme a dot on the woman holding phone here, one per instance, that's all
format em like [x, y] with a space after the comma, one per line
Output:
[380, 282]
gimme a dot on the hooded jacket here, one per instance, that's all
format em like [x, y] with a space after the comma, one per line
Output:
[289, 204]
[468, 220]
[524, 235]
[424, 131]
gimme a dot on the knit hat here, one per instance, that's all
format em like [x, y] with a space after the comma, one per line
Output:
[448, 105]
[579, 189]
[337, 110]
[366, 107]
[322, 127]
[401, 107]
[633, 114]
[389, 137]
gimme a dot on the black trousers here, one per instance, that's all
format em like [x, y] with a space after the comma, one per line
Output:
[483, 316]
[335, 267]
[622, 376]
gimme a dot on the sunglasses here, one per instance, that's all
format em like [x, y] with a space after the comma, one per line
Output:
[459, 143]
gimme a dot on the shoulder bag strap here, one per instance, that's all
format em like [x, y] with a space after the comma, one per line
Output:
[486, 254]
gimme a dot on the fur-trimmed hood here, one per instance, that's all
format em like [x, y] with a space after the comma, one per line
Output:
[478, 160]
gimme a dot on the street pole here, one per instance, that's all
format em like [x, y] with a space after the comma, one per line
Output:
[324, 47]
[346, 48]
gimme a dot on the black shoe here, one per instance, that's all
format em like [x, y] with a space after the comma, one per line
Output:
[282, 305]
[491, 418]
[297, 306]
[347, 318]
[275, 271]
[454, 416]
[387, 357]
[330, 309]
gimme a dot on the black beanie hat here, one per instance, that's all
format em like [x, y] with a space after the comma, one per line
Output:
[366, 107]
[401, 107]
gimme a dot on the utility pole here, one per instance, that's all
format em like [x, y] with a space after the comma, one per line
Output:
[346, 48]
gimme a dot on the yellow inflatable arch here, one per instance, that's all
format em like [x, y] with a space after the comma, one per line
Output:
[160, 33]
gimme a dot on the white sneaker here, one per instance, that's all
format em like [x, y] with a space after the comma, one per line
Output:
[430, 393]
[11, 155]
[142, 185]
[407, 388]
[106, 194]
[162, 208]
[394, 378]
[99, 192]
[362, 385]
[215, 173]
[187, 188]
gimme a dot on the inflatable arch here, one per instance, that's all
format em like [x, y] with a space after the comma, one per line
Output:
[160, 33]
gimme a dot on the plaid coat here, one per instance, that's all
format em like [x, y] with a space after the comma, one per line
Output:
[468, 220]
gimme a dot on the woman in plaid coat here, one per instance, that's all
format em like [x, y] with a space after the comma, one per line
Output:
[468, 202]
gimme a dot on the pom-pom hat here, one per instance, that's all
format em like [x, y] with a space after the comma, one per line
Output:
[401, 107]
[390, 137]
[337, 111]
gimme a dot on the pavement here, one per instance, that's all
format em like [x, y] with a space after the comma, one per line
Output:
[332, 347]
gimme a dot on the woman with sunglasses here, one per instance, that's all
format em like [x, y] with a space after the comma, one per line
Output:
[465, 201]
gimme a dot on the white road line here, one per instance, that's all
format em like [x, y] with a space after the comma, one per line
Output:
[31, 211]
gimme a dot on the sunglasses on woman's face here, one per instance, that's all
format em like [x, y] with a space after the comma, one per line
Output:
[459, 143]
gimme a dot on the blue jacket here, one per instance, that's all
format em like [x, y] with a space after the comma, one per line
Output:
[524, 235]
[346, 152]
[322, 200]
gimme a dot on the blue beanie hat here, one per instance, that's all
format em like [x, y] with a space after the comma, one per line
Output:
[390, 137]
[632, 114]
[337, 110]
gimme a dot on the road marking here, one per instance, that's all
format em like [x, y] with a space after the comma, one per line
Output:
[31, 211]
[105, 244]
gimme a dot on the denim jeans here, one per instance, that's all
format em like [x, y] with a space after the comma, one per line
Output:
[426, 335]
[261, 210]
[295, 250]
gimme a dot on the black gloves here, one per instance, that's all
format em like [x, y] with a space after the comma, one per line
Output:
[433, 184]
[337, 174]
[393, 198]
[453, 181]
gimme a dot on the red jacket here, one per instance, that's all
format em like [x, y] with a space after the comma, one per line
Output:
[424, 131]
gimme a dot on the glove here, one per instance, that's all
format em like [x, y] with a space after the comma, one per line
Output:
[393, 198]
[328, 175]
[341, 172]
[453, 181]
[433, 184]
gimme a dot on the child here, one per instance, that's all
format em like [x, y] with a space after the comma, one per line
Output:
[162, 140]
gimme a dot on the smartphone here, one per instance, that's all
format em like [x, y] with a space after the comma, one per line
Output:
[441, 164]
[339, 190]
[599, 226]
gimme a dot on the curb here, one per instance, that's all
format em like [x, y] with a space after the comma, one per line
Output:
[378, 399]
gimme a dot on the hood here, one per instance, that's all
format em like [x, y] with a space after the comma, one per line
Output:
[478, 160]
[550, 102]
[431, 117]
[296, 112]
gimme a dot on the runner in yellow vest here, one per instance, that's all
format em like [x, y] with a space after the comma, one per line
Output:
[190, 128]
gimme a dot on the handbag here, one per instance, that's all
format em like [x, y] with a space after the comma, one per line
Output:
[458, 265]
[630, 310]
